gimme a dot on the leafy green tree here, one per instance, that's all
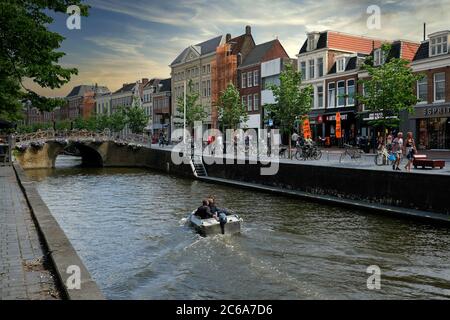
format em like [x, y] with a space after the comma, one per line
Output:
[102, 122]
[194, 110]
[388, 90]
[136, 119]
[231, 110]
[63, 125]
[291, 101]
[118, 120]
[28, 50]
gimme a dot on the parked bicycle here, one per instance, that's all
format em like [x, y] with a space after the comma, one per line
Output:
[308, 152]
[354, 153]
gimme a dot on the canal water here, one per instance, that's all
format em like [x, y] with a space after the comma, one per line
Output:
[127, 225]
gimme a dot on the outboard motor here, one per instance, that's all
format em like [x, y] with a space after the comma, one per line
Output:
[222, 220]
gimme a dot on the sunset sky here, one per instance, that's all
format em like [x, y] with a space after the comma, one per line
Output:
[122, 41]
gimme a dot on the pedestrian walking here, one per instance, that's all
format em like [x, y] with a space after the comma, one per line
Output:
[397, 149]
[410, 150]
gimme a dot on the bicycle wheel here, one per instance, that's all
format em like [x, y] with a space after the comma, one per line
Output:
[298, 155]
[317, 155]
[380, 159]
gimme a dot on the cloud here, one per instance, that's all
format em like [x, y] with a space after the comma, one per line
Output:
[148, 35]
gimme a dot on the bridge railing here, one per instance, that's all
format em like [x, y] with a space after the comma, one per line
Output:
[81, 135]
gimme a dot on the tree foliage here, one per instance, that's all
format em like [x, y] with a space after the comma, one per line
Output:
[136, 118]
[389, 89]
[28, 50]
[231, 110]
[291, 100]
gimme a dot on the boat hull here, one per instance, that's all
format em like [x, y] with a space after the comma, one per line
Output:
[211, 226]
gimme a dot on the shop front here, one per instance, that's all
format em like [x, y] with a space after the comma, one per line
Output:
[348, 127]
[432, 127]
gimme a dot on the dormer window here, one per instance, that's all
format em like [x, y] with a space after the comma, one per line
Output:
[340, 65]
[378, 57]
[312, 41]
[438, 45]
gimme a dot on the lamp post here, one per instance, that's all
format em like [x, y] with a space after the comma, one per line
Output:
[184, 114]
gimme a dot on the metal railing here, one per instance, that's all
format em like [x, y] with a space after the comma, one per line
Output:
[81, 136]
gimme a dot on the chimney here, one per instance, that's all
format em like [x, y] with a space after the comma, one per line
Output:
[228, 37]
[248, 30]
[424, 31]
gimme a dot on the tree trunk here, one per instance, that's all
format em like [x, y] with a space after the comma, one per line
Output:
[290, 144]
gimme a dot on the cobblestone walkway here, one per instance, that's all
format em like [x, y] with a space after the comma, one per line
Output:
[23, 271]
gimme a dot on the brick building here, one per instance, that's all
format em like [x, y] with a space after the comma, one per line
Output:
[430, 121]
[250, 85]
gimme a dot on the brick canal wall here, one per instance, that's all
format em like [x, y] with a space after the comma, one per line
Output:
[397, 189]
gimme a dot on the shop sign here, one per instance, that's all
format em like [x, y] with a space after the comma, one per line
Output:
[338, 126]
[436, 111]
[306, 129]
[319, 119]
[333, 117]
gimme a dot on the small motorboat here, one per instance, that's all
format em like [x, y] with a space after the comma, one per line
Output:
[213, 226]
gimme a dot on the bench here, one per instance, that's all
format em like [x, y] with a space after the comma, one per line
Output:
[421, 160]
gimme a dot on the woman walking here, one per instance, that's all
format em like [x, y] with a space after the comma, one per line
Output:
[410, 148]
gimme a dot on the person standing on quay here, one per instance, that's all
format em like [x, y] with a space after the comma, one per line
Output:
[398, 149]
[410, 147]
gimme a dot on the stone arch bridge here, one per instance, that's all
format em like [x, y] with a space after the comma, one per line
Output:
[40, 149]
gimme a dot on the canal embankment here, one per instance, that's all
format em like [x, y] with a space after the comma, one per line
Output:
[71, 276]
[409, 194]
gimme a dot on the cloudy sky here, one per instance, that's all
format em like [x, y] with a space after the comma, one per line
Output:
[122, 41]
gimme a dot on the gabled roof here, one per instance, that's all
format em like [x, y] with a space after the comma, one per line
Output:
[403, 49]
[202, 48]
[152, 82]
[238, 42]
[80, 91]
[257, 54]
[423, 52]
[321, 43]
[166, 85]
[128, 87]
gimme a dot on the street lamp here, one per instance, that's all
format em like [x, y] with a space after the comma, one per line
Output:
[184, 115]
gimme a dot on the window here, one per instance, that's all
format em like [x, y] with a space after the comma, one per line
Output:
[378, 57]
[422, 90]
[250, 79]
[204, 89]
[256, 78]
[331, 95]
[320, 67]
[320, 96]
[341, 65]
[311, 42]
[303, 69]
[341, 94]
[250, 102]
[439, 87]
[208, 68]
[438, 45]
[351, 92]
[204, 70]
[244, 101]
[363, 106]
[208, 85]
[244, 80]
[311, 69]
[256, 102]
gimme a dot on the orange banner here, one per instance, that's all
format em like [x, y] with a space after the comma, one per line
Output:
[338, 126]
[306, 129]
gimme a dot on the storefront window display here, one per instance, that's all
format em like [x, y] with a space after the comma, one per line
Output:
[434, 133]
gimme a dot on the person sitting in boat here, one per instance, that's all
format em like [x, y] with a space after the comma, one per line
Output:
[214, 209]
[204, 212]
